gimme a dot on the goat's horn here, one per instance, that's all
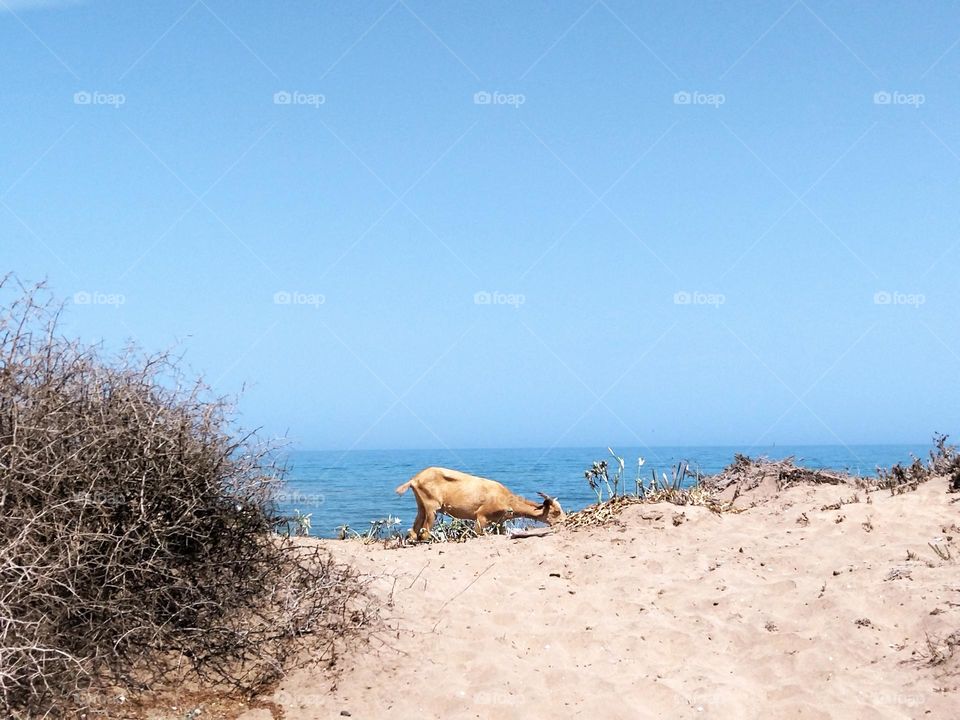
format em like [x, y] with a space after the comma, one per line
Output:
[544, 496]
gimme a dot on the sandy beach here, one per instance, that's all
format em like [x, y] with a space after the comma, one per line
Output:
[792, 608]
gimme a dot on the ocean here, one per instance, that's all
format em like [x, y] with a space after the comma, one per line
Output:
[356, 487]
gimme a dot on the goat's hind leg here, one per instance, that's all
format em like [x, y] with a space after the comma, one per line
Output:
[414, 533]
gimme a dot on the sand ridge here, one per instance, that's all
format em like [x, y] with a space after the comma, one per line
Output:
[789, 609]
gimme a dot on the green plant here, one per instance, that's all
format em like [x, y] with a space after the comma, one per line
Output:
[639, 479]
[598, 477]
[450, 529]
[296, 525]
[618, 475]
[382, 529]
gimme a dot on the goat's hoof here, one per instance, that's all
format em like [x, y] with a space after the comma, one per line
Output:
[412, 536]
[424, 536]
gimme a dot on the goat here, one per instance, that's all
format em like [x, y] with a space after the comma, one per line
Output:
[469, 497]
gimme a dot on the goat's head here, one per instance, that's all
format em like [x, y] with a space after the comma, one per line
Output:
[552, 512]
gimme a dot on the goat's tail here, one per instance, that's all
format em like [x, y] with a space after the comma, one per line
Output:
[403, 488]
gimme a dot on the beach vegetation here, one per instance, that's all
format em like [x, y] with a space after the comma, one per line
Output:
[138, 533]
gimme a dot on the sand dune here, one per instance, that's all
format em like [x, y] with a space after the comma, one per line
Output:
[749, 615]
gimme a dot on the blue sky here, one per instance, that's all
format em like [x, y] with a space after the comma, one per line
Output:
[446, 224]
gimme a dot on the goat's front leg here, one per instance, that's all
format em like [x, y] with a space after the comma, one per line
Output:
[481, 523]
[414, 534]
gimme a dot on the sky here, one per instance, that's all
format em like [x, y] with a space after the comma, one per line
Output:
[413, 224]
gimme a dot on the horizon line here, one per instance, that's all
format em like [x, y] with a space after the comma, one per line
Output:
[594, 447]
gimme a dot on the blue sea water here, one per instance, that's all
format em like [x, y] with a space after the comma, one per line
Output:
[352, 488]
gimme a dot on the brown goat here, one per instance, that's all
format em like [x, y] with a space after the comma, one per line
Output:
[469, 497]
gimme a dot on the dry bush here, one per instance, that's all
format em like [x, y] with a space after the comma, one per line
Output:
[746, 473]
[940, 649]
[601, 513]
[944, 461]
[137, 532]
